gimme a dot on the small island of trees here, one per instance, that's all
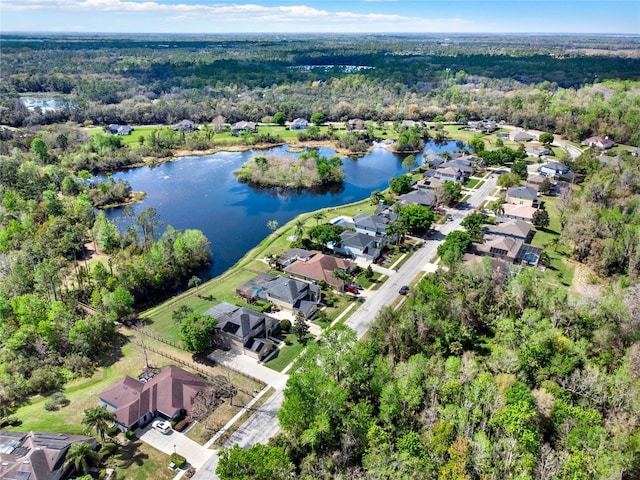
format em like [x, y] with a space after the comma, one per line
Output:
[307, 171]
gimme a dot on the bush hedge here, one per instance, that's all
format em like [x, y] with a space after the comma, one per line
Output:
[178, 460]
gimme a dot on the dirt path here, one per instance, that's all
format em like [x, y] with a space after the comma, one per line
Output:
[586, 284]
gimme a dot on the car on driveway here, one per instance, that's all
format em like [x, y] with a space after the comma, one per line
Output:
[162, 426]
[403, 290]
[352, 289]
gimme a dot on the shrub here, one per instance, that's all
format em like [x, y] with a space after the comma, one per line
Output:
[178, 459]
[113, 431]
[50, 406]
[285, 325]
[181, 425]
[130, 434]
[108, 449]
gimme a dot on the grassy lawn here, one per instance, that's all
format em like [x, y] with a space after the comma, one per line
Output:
[559, 270]
[138, 461]
[285, 354]
[472, 182]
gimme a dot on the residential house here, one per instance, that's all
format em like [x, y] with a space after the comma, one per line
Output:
[356, 124]
[537, 151]
[359, 246]
[375, 225]
[483, 126]
[516, 229]
[520, 136]
[407, 124]
[636, 152]
[245, 329]
[170, 393]
[36, 455]
[320, 267]
[287, 293]
[554, 169]
[508, 249]
[242, 127]
[518, 212]
[291, 255]
[535, 181]
[607, 160]
[420, 196]
[299, 124]
[499, 268]
[115, 129]
[523, 196]
[185, 126]
[599, 142]
[450, 173]
[462, 164]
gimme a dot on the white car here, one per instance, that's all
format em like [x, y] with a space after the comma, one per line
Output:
[162, 426]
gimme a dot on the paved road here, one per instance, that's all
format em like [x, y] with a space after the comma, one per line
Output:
[417, 264]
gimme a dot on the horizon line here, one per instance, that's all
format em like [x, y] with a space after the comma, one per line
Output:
[400, 33]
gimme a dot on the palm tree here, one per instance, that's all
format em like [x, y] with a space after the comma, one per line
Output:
[81, 456]
[98, 419]
[299, 229]
[318, 216]
[397, 230]
[497, 206]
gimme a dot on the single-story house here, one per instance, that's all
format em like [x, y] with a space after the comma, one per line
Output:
[375, 225]
[321, 267]
[291, 255]
[636, 152]
[299, 124]
[554, 169]
[407, 124]
[185, 125]
[287, 293]
[522, 196]
[599, 142]
[484, 126]
[421, 196]
[246, 329]
[169, 393]
[359, 246]
[36, 455]
[518, 212]
[536, 180]
[500, 268]
[356, 124]
[240, 127]
[520, 136]
[517, 229]
[115, 129]
[537, 151]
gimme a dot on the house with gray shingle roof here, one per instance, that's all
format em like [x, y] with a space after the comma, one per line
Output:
[554, 169]
[244, 328]
[421, 196]
[522, 196]
[517, 229]
[284, 292]
[375, 225]
[299, 124]
[359, 246]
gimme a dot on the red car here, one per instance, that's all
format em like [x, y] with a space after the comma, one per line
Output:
[352, 289]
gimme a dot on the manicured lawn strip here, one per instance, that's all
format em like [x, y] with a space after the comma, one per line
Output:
[471, 183]
[559, 270]
[286, 355]
[480, 183]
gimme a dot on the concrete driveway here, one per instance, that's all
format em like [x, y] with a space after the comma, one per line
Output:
[177, 442]
[250, 366]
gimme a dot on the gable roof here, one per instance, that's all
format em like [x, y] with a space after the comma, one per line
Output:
[520, 211]
[170, 391]
[499, 245]
[321, 267]
[294, 254]
[357, 240]
[555, 166]
[460, 164]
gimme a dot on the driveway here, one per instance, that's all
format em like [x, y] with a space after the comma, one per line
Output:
[196, 454]
[249, 366]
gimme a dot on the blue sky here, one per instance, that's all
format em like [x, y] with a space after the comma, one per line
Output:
[307, 16]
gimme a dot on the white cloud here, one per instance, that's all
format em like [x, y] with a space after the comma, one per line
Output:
[269, 17]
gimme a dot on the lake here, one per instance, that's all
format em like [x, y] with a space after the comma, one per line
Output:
[202, 192]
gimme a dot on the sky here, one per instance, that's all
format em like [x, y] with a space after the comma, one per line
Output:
[321, 16]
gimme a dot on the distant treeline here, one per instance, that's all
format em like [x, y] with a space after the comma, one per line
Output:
[575, 86]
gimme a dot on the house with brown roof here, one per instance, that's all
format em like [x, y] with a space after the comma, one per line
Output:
[598, 142]
[321, 267]
[168, 394]
[245, 329]
[497, 246]
[356, 124]
[518, 229]
[36, 455]
[520, 136]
